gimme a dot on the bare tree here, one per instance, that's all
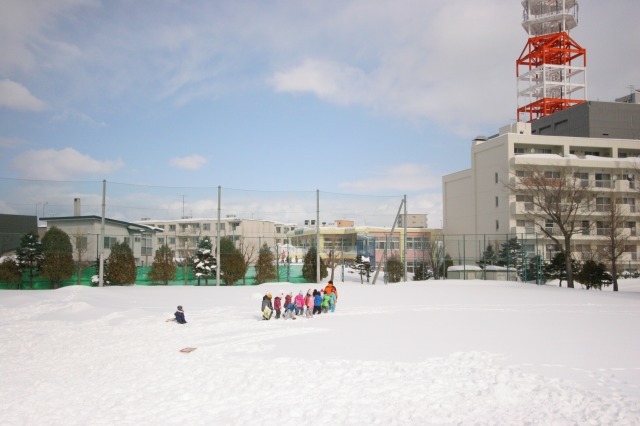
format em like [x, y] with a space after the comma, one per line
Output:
[557, 196]
[80, 247]
[248, 252]
[333, 259]
[612, 225]
[435, 257]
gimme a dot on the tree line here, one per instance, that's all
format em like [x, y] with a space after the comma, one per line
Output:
[52, 258]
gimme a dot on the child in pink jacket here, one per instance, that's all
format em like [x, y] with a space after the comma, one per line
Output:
[309, 303]
[299, 301]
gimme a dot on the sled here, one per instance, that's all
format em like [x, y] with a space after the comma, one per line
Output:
[187, 350]
[266, 313]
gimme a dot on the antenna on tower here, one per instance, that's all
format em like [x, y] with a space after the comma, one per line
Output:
[551, 70]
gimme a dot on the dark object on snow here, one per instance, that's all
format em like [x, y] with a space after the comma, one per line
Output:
[180, 316]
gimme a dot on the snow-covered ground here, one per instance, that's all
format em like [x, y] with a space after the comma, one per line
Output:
[435, 352]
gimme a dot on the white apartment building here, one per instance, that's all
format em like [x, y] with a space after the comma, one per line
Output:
[183, 235]
[477, 201]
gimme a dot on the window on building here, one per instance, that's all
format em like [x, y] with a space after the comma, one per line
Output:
[552, 250]
[184, 227]
[146, 248]
[496, 201]
[548, 225]
[278, 230]
[631, 180]
[602, 204]
[603, 180]
[524, 173]
[527, 200]
[630, 201]
[592, 153]
[497, 224]
[160, 241]
[172, 240]
[518, 151]
[585, 227]
[110, 242]
[583, 177]
[161, 226]
[81, 243]
[631, 226]
[172, 227]
[496, 177]
[603, 228]
[206, 227]
[632, 250]
[551, 174]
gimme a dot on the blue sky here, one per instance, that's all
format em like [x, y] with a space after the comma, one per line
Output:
[359, 97]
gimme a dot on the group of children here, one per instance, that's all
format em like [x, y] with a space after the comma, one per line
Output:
[316, 302]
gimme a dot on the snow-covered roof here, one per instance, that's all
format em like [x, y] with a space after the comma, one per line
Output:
[464, 268]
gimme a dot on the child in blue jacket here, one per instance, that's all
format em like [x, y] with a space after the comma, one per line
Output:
[317, 302]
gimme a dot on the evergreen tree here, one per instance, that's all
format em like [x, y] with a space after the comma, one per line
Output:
[204, 262]
[532, 272]
[232, 264]
[10, 272]
[120, 267]
[444, 269]
[394, 269]
[309, 266]
[57, 264]
[594, 275]
[265, 268]
[489, 257]
[556, 268]
[510, 255]
[163, 268]
[422, 272]
[29, 255]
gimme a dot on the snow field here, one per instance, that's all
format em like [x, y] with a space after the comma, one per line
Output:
[449, 352]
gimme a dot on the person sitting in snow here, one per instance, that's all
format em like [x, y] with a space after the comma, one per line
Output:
[180, 316]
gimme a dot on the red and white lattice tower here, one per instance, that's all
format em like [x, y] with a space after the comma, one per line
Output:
[552, 68]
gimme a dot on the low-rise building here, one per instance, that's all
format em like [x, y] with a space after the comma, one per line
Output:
[85, 231]
[351, 241]
[183, 235]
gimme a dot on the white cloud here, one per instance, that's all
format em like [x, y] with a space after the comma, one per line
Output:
[190, 162]
[327, 80]
[401, 177]
[11, 142]
[15, 96]
[50, 164]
